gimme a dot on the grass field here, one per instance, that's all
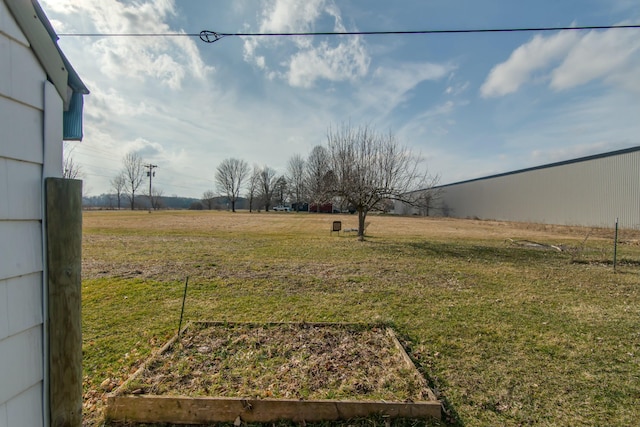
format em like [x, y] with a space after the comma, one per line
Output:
[506, 332]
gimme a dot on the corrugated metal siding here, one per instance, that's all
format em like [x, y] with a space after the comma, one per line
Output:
[72, 118]
[593, 192]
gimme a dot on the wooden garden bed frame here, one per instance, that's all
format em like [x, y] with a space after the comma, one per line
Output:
[203, 410]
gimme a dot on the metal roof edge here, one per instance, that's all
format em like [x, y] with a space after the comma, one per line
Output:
[44, 47]
[74, 81]
[549, 165]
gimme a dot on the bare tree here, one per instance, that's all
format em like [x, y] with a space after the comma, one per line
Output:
[252, 188]
[266, 186]
[280, 190]
[318, 175]
[428, 198]
[296, 175]
[371, 168]
[118, 184]
[133, 173]
[208, 199]
[70, 168]
[155, 198]
[230, 176]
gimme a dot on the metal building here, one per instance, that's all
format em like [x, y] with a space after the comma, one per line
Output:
[587, 191]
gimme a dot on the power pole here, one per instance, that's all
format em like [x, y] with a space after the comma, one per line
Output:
[150, 173]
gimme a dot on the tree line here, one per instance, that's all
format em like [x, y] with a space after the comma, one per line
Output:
[359, 169]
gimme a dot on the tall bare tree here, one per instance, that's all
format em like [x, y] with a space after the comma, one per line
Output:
[371, 168]
[295, 177]
[266, 186]
[252, 188]
[134, 173]
[118, 184]
[317, 176]
[230, 176]
[281, 190]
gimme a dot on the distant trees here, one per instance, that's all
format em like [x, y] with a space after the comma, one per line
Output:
[296, 179]
[359, 169]
[133, 172]
[266, 186]
[281, 190]
[155, 198]
[230, 176]
[252, 188]
[118, 184]
[370, 168]
[318, 176]
[427, 199]
[208, 199]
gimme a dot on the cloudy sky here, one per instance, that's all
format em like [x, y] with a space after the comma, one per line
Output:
[471, 104]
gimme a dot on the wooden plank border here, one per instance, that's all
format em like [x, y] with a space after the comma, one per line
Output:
[203, 410]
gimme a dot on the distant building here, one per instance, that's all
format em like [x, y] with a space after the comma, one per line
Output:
[41, 100]
[588, 191]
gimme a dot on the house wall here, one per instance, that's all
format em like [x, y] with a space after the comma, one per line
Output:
[590, 192]
[25, 125]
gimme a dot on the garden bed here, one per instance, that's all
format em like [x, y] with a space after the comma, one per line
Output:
[266, 372]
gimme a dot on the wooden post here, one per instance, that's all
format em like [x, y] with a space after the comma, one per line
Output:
[64, 264]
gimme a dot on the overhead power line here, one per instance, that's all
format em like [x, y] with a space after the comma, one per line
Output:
[213, 36]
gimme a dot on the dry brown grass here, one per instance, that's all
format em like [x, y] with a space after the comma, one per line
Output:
[507, 334]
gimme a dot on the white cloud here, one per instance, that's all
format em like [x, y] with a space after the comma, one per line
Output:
[346, 61]
[457, 89]
[532, 56]
[568, 59]
[291, 16]
[390, 86]
[606, 54]
[304, 60]
[168, 60]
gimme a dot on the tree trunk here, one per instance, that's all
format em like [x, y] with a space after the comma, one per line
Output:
[362, 215]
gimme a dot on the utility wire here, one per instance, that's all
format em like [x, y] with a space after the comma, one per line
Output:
[212, 36]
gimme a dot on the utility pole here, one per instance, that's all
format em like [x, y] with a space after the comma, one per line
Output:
[150, 173]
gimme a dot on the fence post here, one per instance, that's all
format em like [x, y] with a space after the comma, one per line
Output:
[64, 264]
[615, 247]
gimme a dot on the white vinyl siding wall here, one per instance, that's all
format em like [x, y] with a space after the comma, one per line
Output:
[30, 116]
[592, 192]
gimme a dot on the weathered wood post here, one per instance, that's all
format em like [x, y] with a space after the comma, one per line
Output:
[64, 264]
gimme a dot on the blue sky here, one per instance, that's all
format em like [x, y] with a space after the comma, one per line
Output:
[471, 104]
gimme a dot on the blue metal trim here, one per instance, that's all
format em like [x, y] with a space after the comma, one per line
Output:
[72, 119]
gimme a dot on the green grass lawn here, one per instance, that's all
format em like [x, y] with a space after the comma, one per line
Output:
[505, 334]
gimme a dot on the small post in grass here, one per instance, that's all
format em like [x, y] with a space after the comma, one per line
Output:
[184, 298]
[615, 247]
